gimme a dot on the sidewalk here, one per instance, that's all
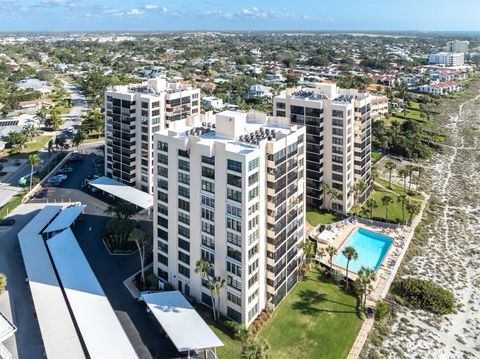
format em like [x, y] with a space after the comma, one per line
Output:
[361, 338]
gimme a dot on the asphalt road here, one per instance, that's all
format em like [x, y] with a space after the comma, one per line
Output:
[142, 329]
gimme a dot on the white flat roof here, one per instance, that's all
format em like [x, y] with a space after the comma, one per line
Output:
[121, 190]
[6, 328]
[101, 330]
[184, 326]
[59, 336]
[65, 219]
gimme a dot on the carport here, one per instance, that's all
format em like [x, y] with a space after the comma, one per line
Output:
[122, 191]
[183, 325]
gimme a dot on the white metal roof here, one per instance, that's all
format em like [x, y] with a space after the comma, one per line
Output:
[59, 336]
[184, 326]
[121, 190]
[101, 330]
[65, 219]
[6, 328]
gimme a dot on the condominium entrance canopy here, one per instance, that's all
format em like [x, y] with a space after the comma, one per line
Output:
[65, 219]
[184, 326]
[122, 191]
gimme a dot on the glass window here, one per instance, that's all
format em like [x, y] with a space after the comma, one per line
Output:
[234, 238]
[233, 165]
[162, 146]
[184, 165]
[253, 193]
[209, 160]
[234, 210]
[183, 257]
[183, 178]
[234, 298]
[234, 195]
[208, 186]
[234, 224]
[208, 201]
[163, 158]
[252, 164]
[183, 271]
[208, 214]
[208, 172]
[234, 180]
[184, 191]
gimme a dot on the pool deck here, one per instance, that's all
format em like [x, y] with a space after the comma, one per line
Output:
[388, 268]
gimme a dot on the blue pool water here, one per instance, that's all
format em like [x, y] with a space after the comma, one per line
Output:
[371, 248]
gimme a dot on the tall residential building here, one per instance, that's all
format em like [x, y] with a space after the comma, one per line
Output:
[230, 189]
[338, 145]
[132, 114]
[457, 46]
[447, 59]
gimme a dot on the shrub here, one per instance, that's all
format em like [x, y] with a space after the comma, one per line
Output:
[382, 310]
[423, 294]
[337, 276]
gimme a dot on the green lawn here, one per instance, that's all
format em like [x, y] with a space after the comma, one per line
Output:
[315, 217]
[33, 147]
[10, 206]
[316, 320]
[412, 114]
[397, 188]
[376, 156]
[414, 104]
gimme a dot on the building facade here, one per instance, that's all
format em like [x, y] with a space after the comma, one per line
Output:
[447, 59]
[132, 114]
[457, 46]
[230, 189]
[338, 148]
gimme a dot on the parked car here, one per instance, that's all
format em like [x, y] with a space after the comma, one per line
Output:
[57, 178]
[370, 312]
[41, 194]
[7, 222]
[65, 170]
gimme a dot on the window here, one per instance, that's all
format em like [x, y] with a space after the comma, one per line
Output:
[208, 160]
[252, 237]
[208, 214]
[184, 191]
[184, 231]
[206, 299]
[234, 315]
[185, 205]
[162, 222]
[337, 113]
[234, 253]
[252, 179]
[253, 267]
[234, 238]
[162, 246]
[234, 195]
[163, 158]
[184, 244]
[183, 178]
[145, 105]
[253, 208]
[183, 271]
[234, 224]
[162, 234]
[234, 180]
[162, 171]
[183, 153]
[162, 259]
[253, 193]
[252, 296]
[253, 312]
[156, 104]
[337, 131]
[234, 298]
[234, 268]
[208, 228]
[208, 242]
[162, 209]
[253, 222]
[253, 280]
[281, 105]
[234, 210]
[209, 256]
[252, 251]
[208, 172]
[233, 165]
[184, 218]
[253, 164]
[208, 186]
[208, 201]
[234, 283]
[184, 165]
[162, 146]
[183, 257]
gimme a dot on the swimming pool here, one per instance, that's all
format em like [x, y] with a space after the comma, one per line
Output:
[371, 248]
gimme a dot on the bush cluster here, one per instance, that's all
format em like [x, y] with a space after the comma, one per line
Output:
[423, 294]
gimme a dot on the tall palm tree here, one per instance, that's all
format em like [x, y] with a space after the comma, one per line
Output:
[205, 269]
[216, 285]
[332, 251]
[310, 250]
[139, 237]
[410, 169]
[375, 175]
[403, 199]
[371, 205]
[351, 254]
[34, 161]
[50, 148]
[366, 276]
[403, 173]
[420, 171]
[333, 194]
[387, 201]
[390, 166]
[413, 209]
[358, 189]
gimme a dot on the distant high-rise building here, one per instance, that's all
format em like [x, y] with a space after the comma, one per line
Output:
[132, 114]
[338, 152]
[458, 46]
[230, 189]
[447, 59]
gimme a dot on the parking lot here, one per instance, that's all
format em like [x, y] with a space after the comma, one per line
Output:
[111, 270]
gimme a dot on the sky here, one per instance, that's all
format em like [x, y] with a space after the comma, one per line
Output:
[309, 15]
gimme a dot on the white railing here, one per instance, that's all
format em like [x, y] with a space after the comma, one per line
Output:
[4, 353]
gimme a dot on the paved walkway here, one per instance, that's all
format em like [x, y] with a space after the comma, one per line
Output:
[361, 338]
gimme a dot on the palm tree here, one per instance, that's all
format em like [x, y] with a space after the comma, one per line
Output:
[358, 189]
[371, 205]
[140, 238]
[79, 138]
[375, 175]
[29, 131]
[410, 169]
[205, 269]
[420, 171]
[332, 251]
[326, 190]
[413, 209]
[386, 201]
[216, 285]
[364, 283]
[50, 148]
[310, 250]
[34, 161]
[403, 199]
[333, 194]
[351, 254]
[390, 166]
[403, 173]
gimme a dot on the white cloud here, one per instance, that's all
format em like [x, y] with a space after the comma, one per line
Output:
[135, 12]
[156, 8]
